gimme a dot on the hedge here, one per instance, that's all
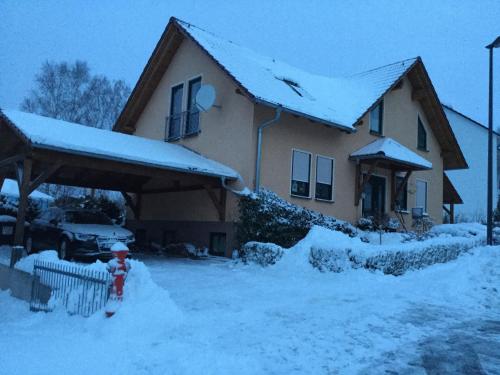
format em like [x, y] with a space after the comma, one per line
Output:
[267, 218]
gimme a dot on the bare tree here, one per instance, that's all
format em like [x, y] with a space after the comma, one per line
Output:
[69, 92]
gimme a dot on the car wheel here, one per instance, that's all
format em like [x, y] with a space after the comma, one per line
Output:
[63, 249]
[29, 245]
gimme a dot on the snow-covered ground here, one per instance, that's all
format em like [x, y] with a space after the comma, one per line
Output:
[221, 317]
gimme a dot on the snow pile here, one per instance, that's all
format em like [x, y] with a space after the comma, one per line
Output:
[26, 264]
[334, 251]
[146, 307]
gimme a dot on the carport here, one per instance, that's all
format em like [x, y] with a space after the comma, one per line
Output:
[36, 149]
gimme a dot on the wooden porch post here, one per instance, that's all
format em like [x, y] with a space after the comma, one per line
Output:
[23, 185]
[452, 213]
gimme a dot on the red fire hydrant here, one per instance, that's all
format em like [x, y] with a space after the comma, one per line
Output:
[118, 267]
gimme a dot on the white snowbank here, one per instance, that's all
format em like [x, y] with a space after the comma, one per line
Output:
[458, 237]
[146, 308]
[26, 264]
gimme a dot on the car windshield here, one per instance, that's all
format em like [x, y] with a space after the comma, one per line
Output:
[87, 217]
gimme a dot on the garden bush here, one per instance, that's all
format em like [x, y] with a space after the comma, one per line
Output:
[265, 217]
[264, 254]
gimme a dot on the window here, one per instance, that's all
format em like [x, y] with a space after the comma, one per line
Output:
[376, 118]
[422, 136]
[324, 178]
[193, 116]
[217, 243]
[301, 170]
[421, 199]
[175, 119]
[401, 203]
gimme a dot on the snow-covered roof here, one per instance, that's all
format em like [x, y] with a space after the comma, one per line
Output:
[337, 101]
[10, 188]
[48, 133]
[388, 149]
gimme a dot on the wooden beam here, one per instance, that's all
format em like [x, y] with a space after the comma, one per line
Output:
[134, 206]
[11, 160]
[176, 189]
[42, 177]
[21, 210]
[399, 188]
[417, 94]
[219, 202]
[362, 180]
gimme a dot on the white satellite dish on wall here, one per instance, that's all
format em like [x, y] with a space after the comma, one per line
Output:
[205, 98]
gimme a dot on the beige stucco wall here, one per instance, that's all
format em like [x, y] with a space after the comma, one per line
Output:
[400, 123]
[226, 134]
[229, 134]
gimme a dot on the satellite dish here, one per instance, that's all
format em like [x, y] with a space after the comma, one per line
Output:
[205, 98]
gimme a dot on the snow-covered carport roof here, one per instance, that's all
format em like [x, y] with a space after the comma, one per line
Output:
[36, 149]
[132, 154]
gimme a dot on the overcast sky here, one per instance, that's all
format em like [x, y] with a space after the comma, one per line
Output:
[325, 37]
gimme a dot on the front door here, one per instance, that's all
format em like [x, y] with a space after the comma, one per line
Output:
[374, 197]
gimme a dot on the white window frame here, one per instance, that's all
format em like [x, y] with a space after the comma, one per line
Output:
[381, 134]
[426, 194]
[332, 182]
[291, 173]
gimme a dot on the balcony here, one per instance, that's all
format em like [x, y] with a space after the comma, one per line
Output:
[182, 125]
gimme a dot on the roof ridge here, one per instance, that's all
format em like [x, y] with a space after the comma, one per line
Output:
[414, 59]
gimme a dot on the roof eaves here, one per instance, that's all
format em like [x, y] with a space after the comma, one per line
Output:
[396, 81]
[130, 161]
[16, 130]
[469, 118]
[305, 115]
[460, 153]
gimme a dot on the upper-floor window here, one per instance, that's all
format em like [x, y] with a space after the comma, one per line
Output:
[422, 136]
[376, 118]
[421, 194]
[175, 119]
[193, 115]
[324, 178]
[301, 173]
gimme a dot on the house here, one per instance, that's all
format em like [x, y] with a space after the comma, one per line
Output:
[349, 147]
[471, 183]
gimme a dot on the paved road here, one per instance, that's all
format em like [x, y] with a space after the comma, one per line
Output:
[454, 345]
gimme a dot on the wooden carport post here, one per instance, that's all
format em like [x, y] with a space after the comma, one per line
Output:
[24, 178]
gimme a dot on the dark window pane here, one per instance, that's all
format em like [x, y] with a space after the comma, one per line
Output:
[217, 243]
[193, 117]
[422, 136]
[300, 188]
[323, 191]
[376, 118]
[174, 125]
[402, 198]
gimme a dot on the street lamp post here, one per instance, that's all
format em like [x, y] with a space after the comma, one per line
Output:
[489, 211]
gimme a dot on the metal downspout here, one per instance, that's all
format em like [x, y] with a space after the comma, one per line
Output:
[259, 145]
